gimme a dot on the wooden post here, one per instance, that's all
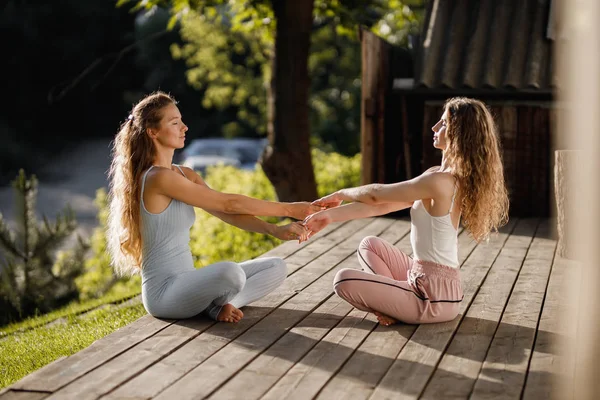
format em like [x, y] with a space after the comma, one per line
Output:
[579, 71]
[375, 88]
[566, 193]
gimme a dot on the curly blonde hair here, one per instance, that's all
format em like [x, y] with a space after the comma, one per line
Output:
[473, 153]
[132, 154]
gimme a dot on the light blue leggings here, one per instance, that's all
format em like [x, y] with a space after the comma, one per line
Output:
[208, 289]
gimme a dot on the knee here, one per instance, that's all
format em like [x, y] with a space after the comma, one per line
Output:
[342, 280]
[280, 268]
[233, 276]
[368, 243]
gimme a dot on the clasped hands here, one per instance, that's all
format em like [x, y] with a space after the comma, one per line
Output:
[314, 218]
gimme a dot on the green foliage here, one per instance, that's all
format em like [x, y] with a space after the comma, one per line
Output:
[334, 171]
[228, 65]
[229, 45]
[399, 18]
[213, 240]
[334, 65]
[99, 278]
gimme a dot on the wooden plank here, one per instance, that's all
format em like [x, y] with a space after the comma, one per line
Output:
[119, 371]
[220, 365]
[129, 364]
[58, 374]
[62, 371]
[19, 395]
[306, 378]
[112, 345]
[550, 365]
[360, 375]
[398, 230]
[417, 360]
[461, 363]
[466, 245]
[292, 247]
[316, 268]
[315, 249]
[404, 244]
[503, 373]
[257, 377]
[162, 374]
[363, 371]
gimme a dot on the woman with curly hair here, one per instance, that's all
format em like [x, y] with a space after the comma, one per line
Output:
[468, 185]
[151, 212]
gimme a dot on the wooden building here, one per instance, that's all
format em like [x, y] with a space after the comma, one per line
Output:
[499, 51]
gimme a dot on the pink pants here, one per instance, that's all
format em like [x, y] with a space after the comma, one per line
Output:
[394, 284]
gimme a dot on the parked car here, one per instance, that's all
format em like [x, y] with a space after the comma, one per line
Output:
[242, 153]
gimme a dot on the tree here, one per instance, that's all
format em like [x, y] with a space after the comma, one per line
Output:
[287, 160]
[30, 279]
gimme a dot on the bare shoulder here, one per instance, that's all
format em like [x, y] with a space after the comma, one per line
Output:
[435, 168]
[440, 182]
[191, 174]
[158, 175]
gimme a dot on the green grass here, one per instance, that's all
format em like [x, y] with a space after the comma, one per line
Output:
[24, 352]
[72, 309]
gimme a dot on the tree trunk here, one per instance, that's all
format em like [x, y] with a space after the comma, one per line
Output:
[287, 160]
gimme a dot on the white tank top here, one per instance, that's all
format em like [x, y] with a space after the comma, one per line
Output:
[433, 239]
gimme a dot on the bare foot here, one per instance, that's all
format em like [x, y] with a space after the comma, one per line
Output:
[384, 319]
[229, 313]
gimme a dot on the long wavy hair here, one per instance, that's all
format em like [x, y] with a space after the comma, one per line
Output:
[473, 153]
[132, 153]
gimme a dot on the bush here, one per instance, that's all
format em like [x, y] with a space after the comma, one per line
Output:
[213, 240]
[99, 278]
[334, 171]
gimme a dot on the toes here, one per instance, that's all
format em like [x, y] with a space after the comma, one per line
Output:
[238, 313]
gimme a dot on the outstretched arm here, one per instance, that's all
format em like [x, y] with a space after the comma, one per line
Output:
[422, 187]
[176, 186]
[251, 223]
[316, 222]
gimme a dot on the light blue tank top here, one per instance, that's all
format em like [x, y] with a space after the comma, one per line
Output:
[165, 240]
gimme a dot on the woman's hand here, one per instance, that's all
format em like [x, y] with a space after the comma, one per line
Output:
[292, 231]
[332, 200]
[302, 209]
[316, 222]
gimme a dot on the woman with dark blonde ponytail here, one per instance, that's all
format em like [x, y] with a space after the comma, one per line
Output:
[468, 185]
[152, 210]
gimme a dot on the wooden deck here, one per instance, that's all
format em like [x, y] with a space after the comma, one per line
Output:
[303, 342]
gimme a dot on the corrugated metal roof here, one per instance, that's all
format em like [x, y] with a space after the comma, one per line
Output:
[486, 44]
